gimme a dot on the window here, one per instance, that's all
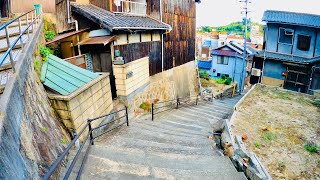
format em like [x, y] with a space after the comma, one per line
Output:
[223, 60]
[286, 36]
[304, 42]
[218, 74]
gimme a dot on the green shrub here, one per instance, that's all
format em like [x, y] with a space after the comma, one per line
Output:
[49, 35]
[257, 144]
[45, 52]
[219, 81]
[228, 81]
[224, 77]
[311, 147]
[146, 106]
[269, 136]
[316, 103]
[204, 75]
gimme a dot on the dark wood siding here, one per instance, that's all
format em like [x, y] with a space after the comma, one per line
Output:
[104, 4]
[62, 17]
[131, 52]
[180, 42]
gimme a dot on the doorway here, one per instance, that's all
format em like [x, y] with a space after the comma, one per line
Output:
[102, 62]
[4, 8]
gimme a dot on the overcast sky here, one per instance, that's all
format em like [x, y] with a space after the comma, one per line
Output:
[222, 12]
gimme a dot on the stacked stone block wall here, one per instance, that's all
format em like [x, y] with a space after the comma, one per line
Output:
[127, 84]
[91, 101]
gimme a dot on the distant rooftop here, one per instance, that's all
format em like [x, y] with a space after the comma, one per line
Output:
[310, 20]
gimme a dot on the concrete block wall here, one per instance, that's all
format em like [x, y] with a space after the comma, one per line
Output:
[179, 81]
[91, 101]
[140, 76]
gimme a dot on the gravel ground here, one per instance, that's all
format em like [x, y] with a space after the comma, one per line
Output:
[279, 124]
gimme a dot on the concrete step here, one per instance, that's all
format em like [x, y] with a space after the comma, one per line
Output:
[4, 46]
[149, 135]
[148, 145]
[14, 31]
[162, 173]
[162, 160]
[173, 146]
[116, 163]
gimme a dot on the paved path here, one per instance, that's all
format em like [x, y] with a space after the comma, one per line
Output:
[174, 146]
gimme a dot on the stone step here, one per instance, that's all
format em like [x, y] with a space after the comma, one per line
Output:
[170, 161]
[198, 112]
[201, 121]
[162, 173]
[159, 124]
[159, 129]
[149, 135]
[147, 145]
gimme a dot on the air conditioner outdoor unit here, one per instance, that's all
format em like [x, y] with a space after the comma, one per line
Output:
[256, 72]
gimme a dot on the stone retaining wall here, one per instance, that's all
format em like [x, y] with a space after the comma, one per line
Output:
[180, 81]
[91, 101]
[31, 137]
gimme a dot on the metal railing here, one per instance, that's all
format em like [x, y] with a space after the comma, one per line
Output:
[33, 22]
[131, 7]
[172, 104]
[88, 138]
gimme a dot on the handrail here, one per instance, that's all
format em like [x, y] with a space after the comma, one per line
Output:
[13, 20]
[34, 21]
[91, 139]
[178, 102]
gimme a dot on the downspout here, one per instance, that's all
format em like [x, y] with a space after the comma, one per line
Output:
[71, 21]
[162, 36]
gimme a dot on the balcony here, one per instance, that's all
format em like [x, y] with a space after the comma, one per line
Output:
[138, 7]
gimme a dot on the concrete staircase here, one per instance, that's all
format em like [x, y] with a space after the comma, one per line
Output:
[174, 146]
[13, 29]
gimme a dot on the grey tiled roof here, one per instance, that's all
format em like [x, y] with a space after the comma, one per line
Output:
[285, 57]
[117, 21]
[292, 18]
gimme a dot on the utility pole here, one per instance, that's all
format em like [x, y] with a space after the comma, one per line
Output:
[244, 69]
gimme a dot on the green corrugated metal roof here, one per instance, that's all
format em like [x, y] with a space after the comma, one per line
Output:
[63, 77]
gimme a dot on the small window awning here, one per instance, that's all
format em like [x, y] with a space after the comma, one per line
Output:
[98, 40]
[66, 35]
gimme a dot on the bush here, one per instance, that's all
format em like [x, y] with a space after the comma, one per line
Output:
[45, 52]
[257, 144]
[228, 81]
[204, 75]
[224, 77]
[219, 81]
[311, 147]
[49, 35]
[316, 103]
[146, 106]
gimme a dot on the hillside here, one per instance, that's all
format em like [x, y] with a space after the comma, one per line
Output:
[232, 28]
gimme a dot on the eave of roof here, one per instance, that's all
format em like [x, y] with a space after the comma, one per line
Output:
[104, 40]
[284, 17]
[114, 21]
[286, 57]
[66, 35]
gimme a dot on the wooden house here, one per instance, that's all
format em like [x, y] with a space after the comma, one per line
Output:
[123, 33]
